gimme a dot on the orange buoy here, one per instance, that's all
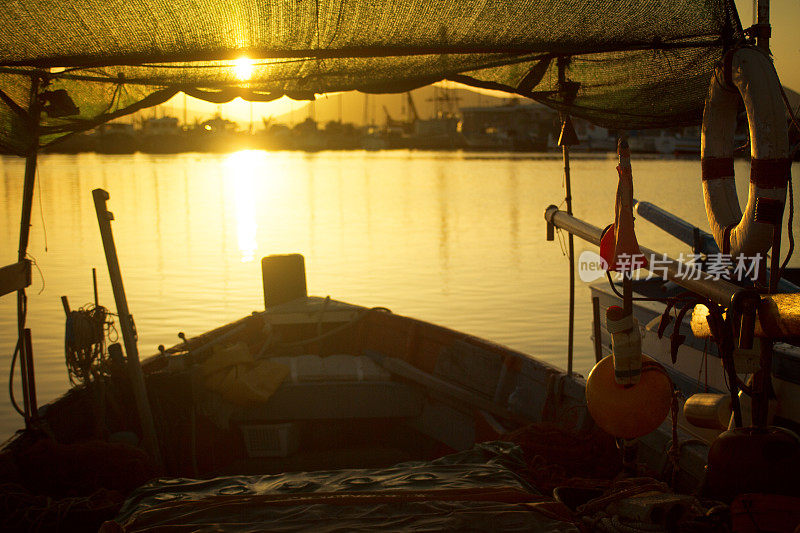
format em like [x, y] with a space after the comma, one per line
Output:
[628, 411]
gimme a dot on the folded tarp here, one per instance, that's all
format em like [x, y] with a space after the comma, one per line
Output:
[473, 490]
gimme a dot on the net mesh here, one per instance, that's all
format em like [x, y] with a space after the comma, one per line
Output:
[619, 63]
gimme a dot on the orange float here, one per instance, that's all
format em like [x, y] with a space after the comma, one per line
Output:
[628, 411]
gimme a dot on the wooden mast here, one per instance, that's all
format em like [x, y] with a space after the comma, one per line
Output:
[104, 218]
[34, 110]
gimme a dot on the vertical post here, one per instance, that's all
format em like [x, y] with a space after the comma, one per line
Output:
[627, 293]
[630, 454]
[598, 335]
[23, 370]
[30, 398]
[762, 23]
[30, 170]
[763, 378]
[34, 110]
[568, 138]
[94, 286]
[571, 253]
[762, 386]
[104, 218]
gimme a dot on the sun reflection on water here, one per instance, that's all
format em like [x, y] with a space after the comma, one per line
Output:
[240, 174]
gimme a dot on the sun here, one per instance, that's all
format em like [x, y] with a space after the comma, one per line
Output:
[243, 68]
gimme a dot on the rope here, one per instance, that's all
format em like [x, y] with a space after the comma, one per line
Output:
[619, 491]
[84, 344]
[674, 451]
[561, 243]
[21, 510]
[11, 381]
[789, 229]
[38, 269]
[41, 212]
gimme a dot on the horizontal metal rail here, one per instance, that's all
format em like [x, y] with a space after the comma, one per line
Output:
[678, 228]
[719, 291]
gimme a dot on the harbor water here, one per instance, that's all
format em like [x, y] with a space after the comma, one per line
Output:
[453, 238]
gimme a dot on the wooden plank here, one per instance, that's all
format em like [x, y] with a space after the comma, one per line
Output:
[312, 309]
[408, 371]
[15, 277]
[104, 218]
[471, 367]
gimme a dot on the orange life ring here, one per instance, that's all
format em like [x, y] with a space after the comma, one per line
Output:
[749, 73]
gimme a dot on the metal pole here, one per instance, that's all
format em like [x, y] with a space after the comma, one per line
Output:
[568, 137]
[24, 234]
[565, 140]
[719, 291]
[571, 254]
[104, 218]
[763, 378]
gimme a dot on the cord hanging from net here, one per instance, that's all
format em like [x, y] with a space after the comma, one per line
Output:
[84, 343]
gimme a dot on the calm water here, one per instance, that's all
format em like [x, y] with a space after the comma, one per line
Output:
[451, 238]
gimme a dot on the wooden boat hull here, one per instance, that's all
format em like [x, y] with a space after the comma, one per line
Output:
[404, 390]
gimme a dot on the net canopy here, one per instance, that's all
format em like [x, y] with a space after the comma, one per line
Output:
[619, 63]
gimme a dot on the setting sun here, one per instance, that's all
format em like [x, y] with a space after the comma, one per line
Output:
[243, 67]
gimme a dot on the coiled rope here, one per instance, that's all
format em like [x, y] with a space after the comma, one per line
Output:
[84, 343]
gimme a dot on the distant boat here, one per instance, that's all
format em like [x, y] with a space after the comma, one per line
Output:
[215, 135]
[162, 136]
[115, 138]
[510, 127]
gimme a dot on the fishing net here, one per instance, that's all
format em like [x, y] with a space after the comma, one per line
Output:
[619, 63]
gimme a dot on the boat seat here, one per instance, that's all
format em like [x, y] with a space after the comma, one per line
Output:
[336, 400]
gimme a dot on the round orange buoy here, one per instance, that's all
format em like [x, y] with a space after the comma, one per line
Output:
[628, 411]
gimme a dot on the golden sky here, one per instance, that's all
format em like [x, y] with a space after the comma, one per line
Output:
[785, 46]
[785, 41]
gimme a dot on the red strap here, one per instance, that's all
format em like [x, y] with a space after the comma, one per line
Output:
[717, 167]
[770, 173]
[726, 239]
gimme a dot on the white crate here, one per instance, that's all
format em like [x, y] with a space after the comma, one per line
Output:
[270, 440]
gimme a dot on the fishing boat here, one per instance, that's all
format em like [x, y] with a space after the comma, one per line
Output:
[325, 415]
